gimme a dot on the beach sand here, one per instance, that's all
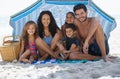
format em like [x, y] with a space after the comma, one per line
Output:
[89, 70]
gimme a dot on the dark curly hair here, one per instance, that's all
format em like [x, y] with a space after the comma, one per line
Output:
[52, 26]
[80, 6]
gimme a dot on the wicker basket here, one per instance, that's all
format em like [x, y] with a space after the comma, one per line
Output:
[10, 49]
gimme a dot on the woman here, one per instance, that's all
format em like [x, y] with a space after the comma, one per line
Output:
[48, 30]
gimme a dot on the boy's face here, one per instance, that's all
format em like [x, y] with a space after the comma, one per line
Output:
[69, 32]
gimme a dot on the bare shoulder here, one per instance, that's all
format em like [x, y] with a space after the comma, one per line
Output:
[38, 38]
[63, 26]
[94, 20]
[76, 22]
[58, 30]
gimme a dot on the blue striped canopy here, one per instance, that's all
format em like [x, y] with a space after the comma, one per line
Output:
[59, 8]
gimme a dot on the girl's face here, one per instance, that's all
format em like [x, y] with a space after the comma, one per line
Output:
[45, 20]
[31, 29]
[69, 18]
[69, 32]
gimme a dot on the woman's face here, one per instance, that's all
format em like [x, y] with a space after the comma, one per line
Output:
[45, 20]
[69, 18]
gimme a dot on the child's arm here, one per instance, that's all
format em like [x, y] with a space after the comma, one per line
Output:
[21, 48]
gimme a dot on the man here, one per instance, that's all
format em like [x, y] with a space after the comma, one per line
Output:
[91, 34]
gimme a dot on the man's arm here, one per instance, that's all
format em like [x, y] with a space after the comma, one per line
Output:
[93, 27]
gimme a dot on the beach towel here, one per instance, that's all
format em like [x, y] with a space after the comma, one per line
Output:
[57, 61]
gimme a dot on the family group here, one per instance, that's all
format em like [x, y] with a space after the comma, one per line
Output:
[80, 37]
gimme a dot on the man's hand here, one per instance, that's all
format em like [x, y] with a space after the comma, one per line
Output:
[85, 47]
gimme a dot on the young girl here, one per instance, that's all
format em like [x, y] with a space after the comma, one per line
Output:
[70, 43]
[69, 19]
[28, 52]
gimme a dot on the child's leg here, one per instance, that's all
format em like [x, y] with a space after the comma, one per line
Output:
[24, 56]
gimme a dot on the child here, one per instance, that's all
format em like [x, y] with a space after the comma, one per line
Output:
[69, 20]
[28, 52]
[70, 42]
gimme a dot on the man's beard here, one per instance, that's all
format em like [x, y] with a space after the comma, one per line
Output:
[83, 20]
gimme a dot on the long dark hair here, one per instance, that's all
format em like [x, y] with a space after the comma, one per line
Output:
[52, 26]
[71, 14]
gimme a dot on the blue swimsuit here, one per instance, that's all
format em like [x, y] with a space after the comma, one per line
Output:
[48, 40]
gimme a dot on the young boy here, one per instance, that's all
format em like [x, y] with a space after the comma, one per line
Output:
[70, 43]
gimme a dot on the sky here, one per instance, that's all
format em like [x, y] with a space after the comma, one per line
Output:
[11, 7]
[111, 7]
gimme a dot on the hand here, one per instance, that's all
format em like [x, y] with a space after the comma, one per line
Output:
[107, 59]
[85, 47]
[31, 59]
[66, 52]
[55, 55]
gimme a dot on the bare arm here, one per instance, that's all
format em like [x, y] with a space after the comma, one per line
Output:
[59, 33]
[21, 48]
[60, 45]
[93, 27]
[74, 48]
[63, 30]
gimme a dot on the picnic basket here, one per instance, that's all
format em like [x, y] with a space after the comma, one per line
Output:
[10, 49]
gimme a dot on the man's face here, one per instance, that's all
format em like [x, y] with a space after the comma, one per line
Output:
[81, 15]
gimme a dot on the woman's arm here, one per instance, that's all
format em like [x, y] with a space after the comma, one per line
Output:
[74, 48]
[59, 33]
[63, 30]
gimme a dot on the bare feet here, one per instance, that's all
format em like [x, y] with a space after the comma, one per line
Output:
[108, 59]
[31, 59]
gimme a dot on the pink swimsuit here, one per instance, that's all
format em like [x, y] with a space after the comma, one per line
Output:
[33, 48]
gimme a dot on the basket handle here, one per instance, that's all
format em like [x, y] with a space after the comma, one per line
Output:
[9, 41]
